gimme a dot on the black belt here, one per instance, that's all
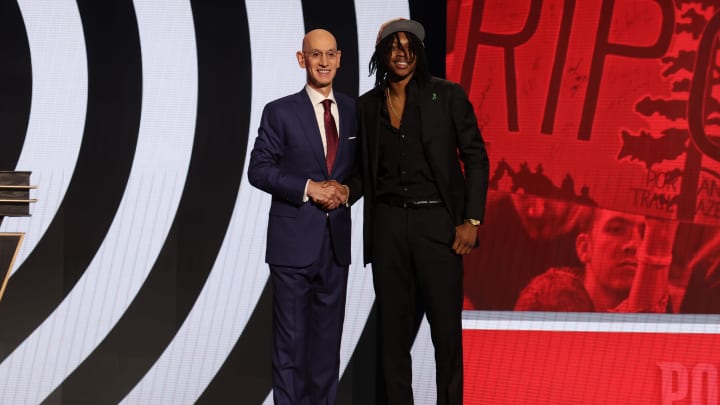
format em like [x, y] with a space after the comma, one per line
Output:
[402, 203]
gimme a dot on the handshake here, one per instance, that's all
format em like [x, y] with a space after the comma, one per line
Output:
[328, 194]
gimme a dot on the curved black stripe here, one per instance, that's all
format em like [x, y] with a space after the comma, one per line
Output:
[99, 179]
[361, 380]
[338, 17]
[433, 16]
[245, 375]
[15, 82]
[187, 257]
[239, 378]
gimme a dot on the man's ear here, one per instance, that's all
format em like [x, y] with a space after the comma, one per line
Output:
[300, 59]
[582, 247]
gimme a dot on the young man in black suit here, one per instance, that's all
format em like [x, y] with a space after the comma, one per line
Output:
[421, 208]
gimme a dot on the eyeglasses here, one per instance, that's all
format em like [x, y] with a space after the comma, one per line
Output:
[315, 54]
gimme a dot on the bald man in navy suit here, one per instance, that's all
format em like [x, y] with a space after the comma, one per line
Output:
[303, 153]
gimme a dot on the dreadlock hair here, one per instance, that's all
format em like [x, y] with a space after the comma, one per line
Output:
[383, 51]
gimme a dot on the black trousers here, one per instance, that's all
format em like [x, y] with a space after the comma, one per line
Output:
[416, 271]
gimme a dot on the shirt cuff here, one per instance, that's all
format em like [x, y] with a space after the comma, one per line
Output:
[305, 196]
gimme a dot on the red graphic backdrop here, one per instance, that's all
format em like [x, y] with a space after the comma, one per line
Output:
[602, 121]
[605, 104]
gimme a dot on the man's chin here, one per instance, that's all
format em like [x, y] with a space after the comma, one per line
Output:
[395, 77]
[622, 286]
[320, 85]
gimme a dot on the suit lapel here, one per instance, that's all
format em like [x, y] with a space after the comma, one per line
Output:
[308, 123]
[428, 106]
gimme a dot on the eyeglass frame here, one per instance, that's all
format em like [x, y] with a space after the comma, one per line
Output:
[317, 54]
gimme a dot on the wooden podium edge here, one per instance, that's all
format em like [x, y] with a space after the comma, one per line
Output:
[12, 261]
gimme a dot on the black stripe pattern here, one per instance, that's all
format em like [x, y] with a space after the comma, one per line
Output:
[15, 82]
[204, 212]
[96, 188]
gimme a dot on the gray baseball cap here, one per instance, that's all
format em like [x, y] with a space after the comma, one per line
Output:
[400, 25]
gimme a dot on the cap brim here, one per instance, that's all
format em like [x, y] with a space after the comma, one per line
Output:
[410, 26]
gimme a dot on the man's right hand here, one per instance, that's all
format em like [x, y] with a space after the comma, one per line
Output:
[327, 194]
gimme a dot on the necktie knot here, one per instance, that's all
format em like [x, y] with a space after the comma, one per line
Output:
[327, 103]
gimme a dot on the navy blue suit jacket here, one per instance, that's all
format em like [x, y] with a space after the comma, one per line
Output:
[288, 151]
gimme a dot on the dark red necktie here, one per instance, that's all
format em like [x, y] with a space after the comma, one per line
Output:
[331, 135]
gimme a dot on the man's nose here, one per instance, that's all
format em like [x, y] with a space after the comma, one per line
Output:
[633, 242]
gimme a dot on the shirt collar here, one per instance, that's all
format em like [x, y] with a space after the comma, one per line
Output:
[317, 98]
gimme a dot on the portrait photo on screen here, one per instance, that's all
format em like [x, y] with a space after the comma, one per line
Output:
[603, 136]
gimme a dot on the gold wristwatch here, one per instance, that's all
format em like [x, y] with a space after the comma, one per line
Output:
[473, 222]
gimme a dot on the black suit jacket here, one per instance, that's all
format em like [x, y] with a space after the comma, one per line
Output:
[449, 129]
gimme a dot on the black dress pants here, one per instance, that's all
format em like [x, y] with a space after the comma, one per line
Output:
[414, 268]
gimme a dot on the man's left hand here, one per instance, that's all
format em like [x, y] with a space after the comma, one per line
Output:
[465, 238]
